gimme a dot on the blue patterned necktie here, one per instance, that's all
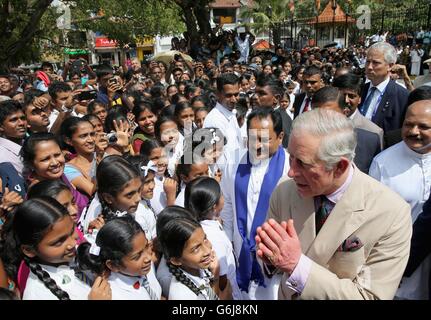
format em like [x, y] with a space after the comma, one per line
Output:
[324, 207]
[367, 101]
[147, 287]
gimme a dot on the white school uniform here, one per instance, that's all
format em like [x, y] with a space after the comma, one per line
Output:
[179, 291]
[175, 155]
[65, 278]
[122, 286]
[147, 220]
[224, 251]
[143, 215]
[179, 201]
[159, 201]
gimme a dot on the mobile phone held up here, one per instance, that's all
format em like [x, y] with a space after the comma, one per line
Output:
[112, 138]
[87, 95]
[113, 81]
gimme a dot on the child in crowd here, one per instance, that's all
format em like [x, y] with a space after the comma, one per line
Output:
[166, 131]
[42, 233]
[145, 116]
[204, 199]
[122, 250]
[190, 259]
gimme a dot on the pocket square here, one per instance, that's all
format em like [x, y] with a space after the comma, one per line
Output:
[351, 244]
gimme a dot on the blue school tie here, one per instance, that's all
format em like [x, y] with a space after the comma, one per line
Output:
[147, 287]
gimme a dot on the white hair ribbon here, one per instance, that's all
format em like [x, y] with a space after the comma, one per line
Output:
[94, 249]
[150, 166]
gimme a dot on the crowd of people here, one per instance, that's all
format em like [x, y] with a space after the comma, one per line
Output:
[236, 174]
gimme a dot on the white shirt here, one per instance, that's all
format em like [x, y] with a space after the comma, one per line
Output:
[224, 252]
[64, 276]
[409, 174]
[175, 156]
[52, 117]
[159, 201]
[146, 219]
[179, 201]
[381, 87]
[230, 225]
[179, 291]
[301, 109]
[9, 152]
[122, 286]
[225, 120]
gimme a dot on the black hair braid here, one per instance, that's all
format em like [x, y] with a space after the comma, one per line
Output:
[181, 277]
[107, 212]
[47, 280]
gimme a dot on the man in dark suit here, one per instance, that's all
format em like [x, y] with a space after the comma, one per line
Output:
[383, 100]
[368, 143]
[312, 79]
[421, 241]
[269, 91]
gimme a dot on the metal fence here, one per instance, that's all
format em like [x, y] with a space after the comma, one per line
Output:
[301, 31]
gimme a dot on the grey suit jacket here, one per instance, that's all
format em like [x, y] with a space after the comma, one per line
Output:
[359, 121]
[368, 210]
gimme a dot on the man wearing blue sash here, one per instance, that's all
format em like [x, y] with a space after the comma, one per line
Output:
[247, 188]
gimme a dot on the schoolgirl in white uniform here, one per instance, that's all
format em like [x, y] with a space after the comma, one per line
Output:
[43, 234]
[186, 172]
[122, 248]
[205, 201]
[189, 257]
[166, 132]
[119, 193]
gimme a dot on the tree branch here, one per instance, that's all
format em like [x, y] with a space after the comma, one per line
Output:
[29, 30]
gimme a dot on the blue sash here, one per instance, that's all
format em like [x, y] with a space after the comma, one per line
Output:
[249, 268]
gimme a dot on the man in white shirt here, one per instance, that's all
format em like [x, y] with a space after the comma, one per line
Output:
[406, 169]
[247, 189]
[61, 104]
[13, 128]
[223, 115]
[335, 232]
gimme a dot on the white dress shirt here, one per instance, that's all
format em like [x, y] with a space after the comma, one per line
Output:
[179, 201]
[9, 152]
[175, 155]
[64, 277]
[225, 120]
[377, 97]
[301, 109]
[408, 173]
[228, 214]
[122, 286]
[224, 252]
[146, 219]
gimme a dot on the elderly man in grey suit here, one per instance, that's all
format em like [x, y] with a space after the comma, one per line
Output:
[335, 232]
[350, 85]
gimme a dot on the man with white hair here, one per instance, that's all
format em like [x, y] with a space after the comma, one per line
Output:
[384, 102]
[335, 232]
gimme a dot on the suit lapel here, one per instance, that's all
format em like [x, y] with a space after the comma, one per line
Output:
[303, 216]
[346, 217]
[384, 104]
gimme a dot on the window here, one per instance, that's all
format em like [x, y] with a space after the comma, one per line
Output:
[224, 15]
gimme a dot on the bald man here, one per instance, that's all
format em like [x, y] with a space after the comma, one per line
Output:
[406, 169]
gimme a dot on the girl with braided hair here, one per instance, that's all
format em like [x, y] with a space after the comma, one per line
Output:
[189, 257]
[42, 233]
[118, 193]
[122, 249]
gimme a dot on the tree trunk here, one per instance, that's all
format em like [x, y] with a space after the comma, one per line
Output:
[8, 53]
[202, 15]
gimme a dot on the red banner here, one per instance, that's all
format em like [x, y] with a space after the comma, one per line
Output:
[103, 42]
